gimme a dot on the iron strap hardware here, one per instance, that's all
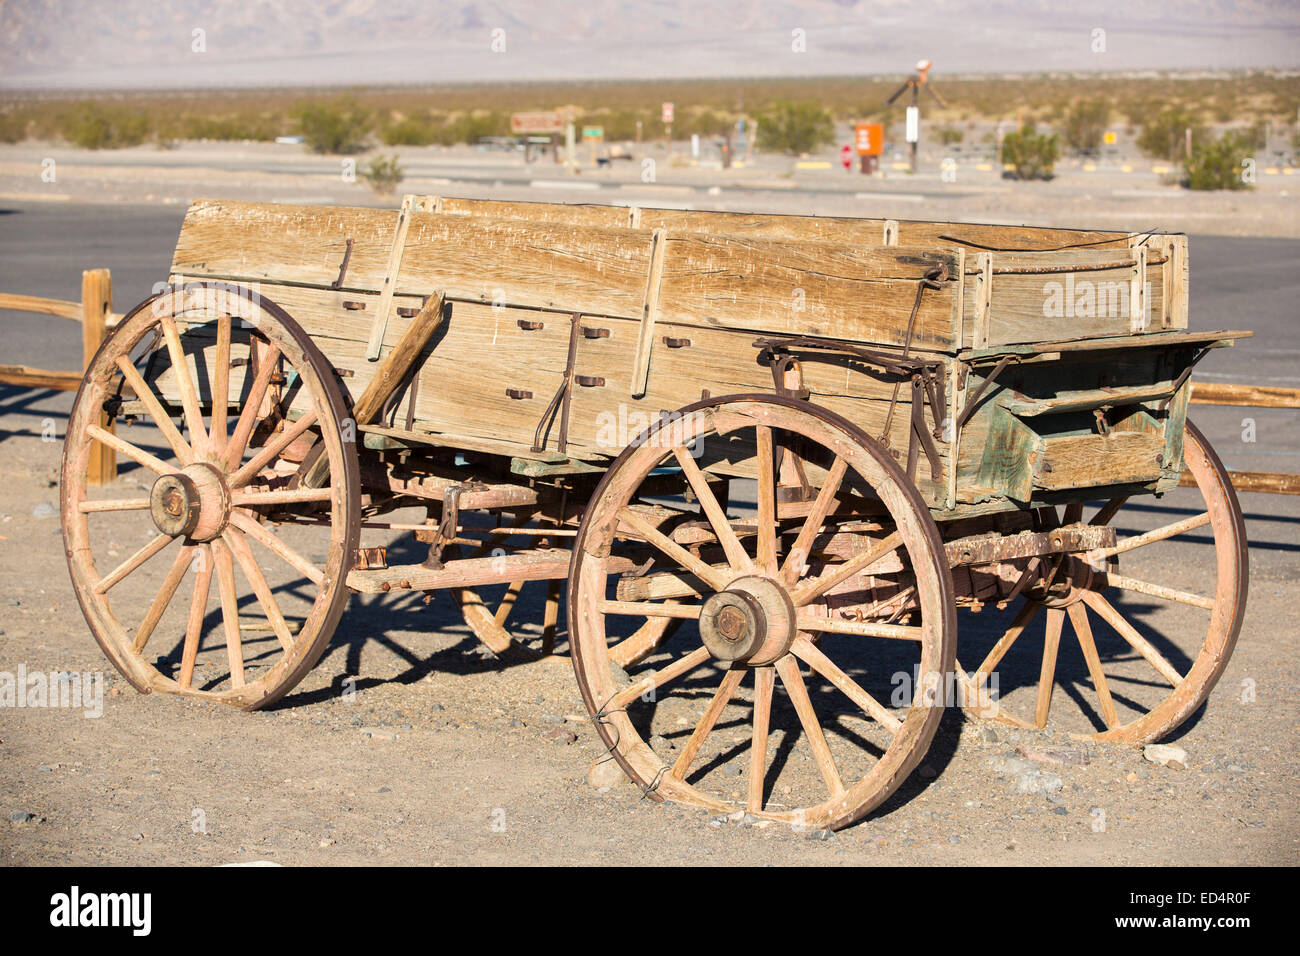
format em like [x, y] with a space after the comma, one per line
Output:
[559, 402]
[969, 408]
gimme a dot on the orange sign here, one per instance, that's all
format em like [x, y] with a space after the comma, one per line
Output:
[536, 123]
[870, 139]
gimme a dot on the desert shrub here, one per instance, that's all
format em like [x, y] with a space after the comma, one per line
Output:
[1032, 154]
[1164, 137]
[232, 127]
[421, 129]
[471, 127]
[383, 173]
[92, 125]
[1084, 124]
[13, 126]
[796, 126]
[1218, 165]
[948, 135]
[335, 126]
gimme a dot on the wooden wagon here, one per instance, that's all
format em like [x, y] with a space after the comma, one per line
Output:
[749, 446]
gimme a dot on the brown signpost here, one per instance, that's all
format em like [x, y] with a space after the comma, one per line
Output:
[542, 122]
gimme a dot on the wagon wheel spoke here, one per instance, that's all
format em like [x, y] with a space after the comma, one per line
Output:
[1108, 511]
[1083, 631]
[270, 451]
[1047, 672]
[672, 549]
[817, 625]
[1162, 533]
[652, 609]
[114, 577]
[764, 682]
[220, 382]
[726, 690]
[1159, 591]
[268, 365]
[244, 556]
[264, 536]
[810, 654]
[180, 447]
[788, 669]
[124, 447]
[101, 505]
[797, 557]
[507, 603]
[640, 644]
[199, 440]
[198, 610]
[1022, 620]
[229, 610]
[653, 681]
[1107, 612]
[184, 558]
[767, 530]
[254, 499]
[814, 588]
[736, 554]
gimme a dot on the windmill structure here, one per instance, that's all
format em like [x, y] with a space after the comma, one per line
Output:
[916, 83]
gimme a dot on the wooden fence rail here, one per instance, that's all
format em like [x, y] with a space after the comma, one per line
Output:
[1250, 396]
[95, 313]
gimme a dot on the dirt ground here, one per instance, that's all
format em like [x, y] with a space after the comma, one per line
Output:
[445, 755]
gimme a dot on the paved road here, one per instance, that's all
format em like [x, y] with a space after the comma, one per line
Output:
[1236, 283]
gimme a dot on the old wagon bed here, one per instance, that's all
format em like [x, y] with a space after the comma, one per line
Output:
[735, 450]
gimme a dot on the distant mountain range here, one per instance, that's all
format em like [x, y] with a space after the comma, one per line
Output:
[63, 44]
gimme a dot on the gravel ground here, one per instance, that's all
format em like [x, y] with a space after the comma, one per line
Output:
[445, 755]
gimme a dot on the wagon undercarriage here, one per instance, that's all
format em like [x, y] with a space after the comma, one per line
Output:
[719, 453]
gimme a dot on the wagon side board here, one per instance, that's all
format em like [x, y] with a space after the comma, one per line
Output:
[636, 312]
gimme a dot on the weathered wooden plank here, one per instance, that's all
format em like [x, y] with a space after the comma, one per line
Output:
[29, 377]
[1264, 482]
[1249, 396]
[1082, 461]
[772, 286]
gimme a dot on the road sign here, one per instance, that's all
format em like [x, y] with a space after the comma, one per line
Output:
[870, 138]
[593, 132]
[550, 122]
[846, 156]
[913, 124]
[1110, 138]
[668, 113]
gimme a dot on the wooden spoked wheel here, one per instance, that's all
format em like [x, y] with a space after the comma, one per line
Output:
[225, 404]
[1141, 683]
[699, 722]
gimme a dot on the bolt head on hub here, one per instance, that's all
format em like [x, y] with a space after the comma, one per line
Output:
[175, 504]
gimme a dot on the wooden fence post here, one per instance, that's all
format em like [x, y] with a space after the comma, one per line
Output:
[96, 304]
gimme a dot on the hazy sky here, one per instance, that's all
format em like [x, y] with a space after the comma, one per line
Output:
[206, 43]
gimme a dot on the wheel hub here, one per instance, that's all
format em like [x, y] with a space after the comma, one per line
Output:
[753, 621]
[193, 503]
[1069, 585]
